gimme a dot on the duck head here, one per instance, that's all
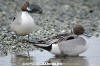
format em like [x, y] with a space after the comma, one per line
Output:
[31, 8]
[78, 30]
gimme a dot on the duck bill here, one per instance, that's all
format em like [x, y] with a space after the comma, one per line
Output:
[85, 34]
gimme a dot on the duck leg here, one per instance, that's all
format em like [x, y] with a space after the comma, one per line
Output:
[28, 50]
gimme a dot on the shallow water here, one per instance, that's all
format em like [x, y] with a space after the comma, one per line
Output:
[90, 58]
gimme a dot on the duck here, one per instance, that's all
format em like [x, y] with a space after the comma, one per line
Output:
[72, 44]
[23, 23]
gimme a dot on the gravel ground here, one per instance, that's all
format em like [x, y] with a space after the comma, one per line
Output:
[58, 17]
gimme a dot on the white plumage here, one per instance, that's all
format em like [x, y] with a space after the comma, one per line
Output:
[23, 24]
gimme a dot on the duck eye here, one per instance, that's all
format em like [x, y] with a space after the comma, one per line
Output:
[70, 38]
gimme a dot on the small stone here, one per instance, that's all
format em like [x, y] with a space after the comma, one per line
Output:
[91, 11]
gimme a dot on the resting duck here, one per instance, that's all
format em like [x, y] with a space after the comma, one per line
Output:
[65, 44]
[23, 23]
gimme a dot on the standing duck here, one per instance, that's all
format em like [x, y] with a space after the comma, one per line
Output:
[23, 23]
